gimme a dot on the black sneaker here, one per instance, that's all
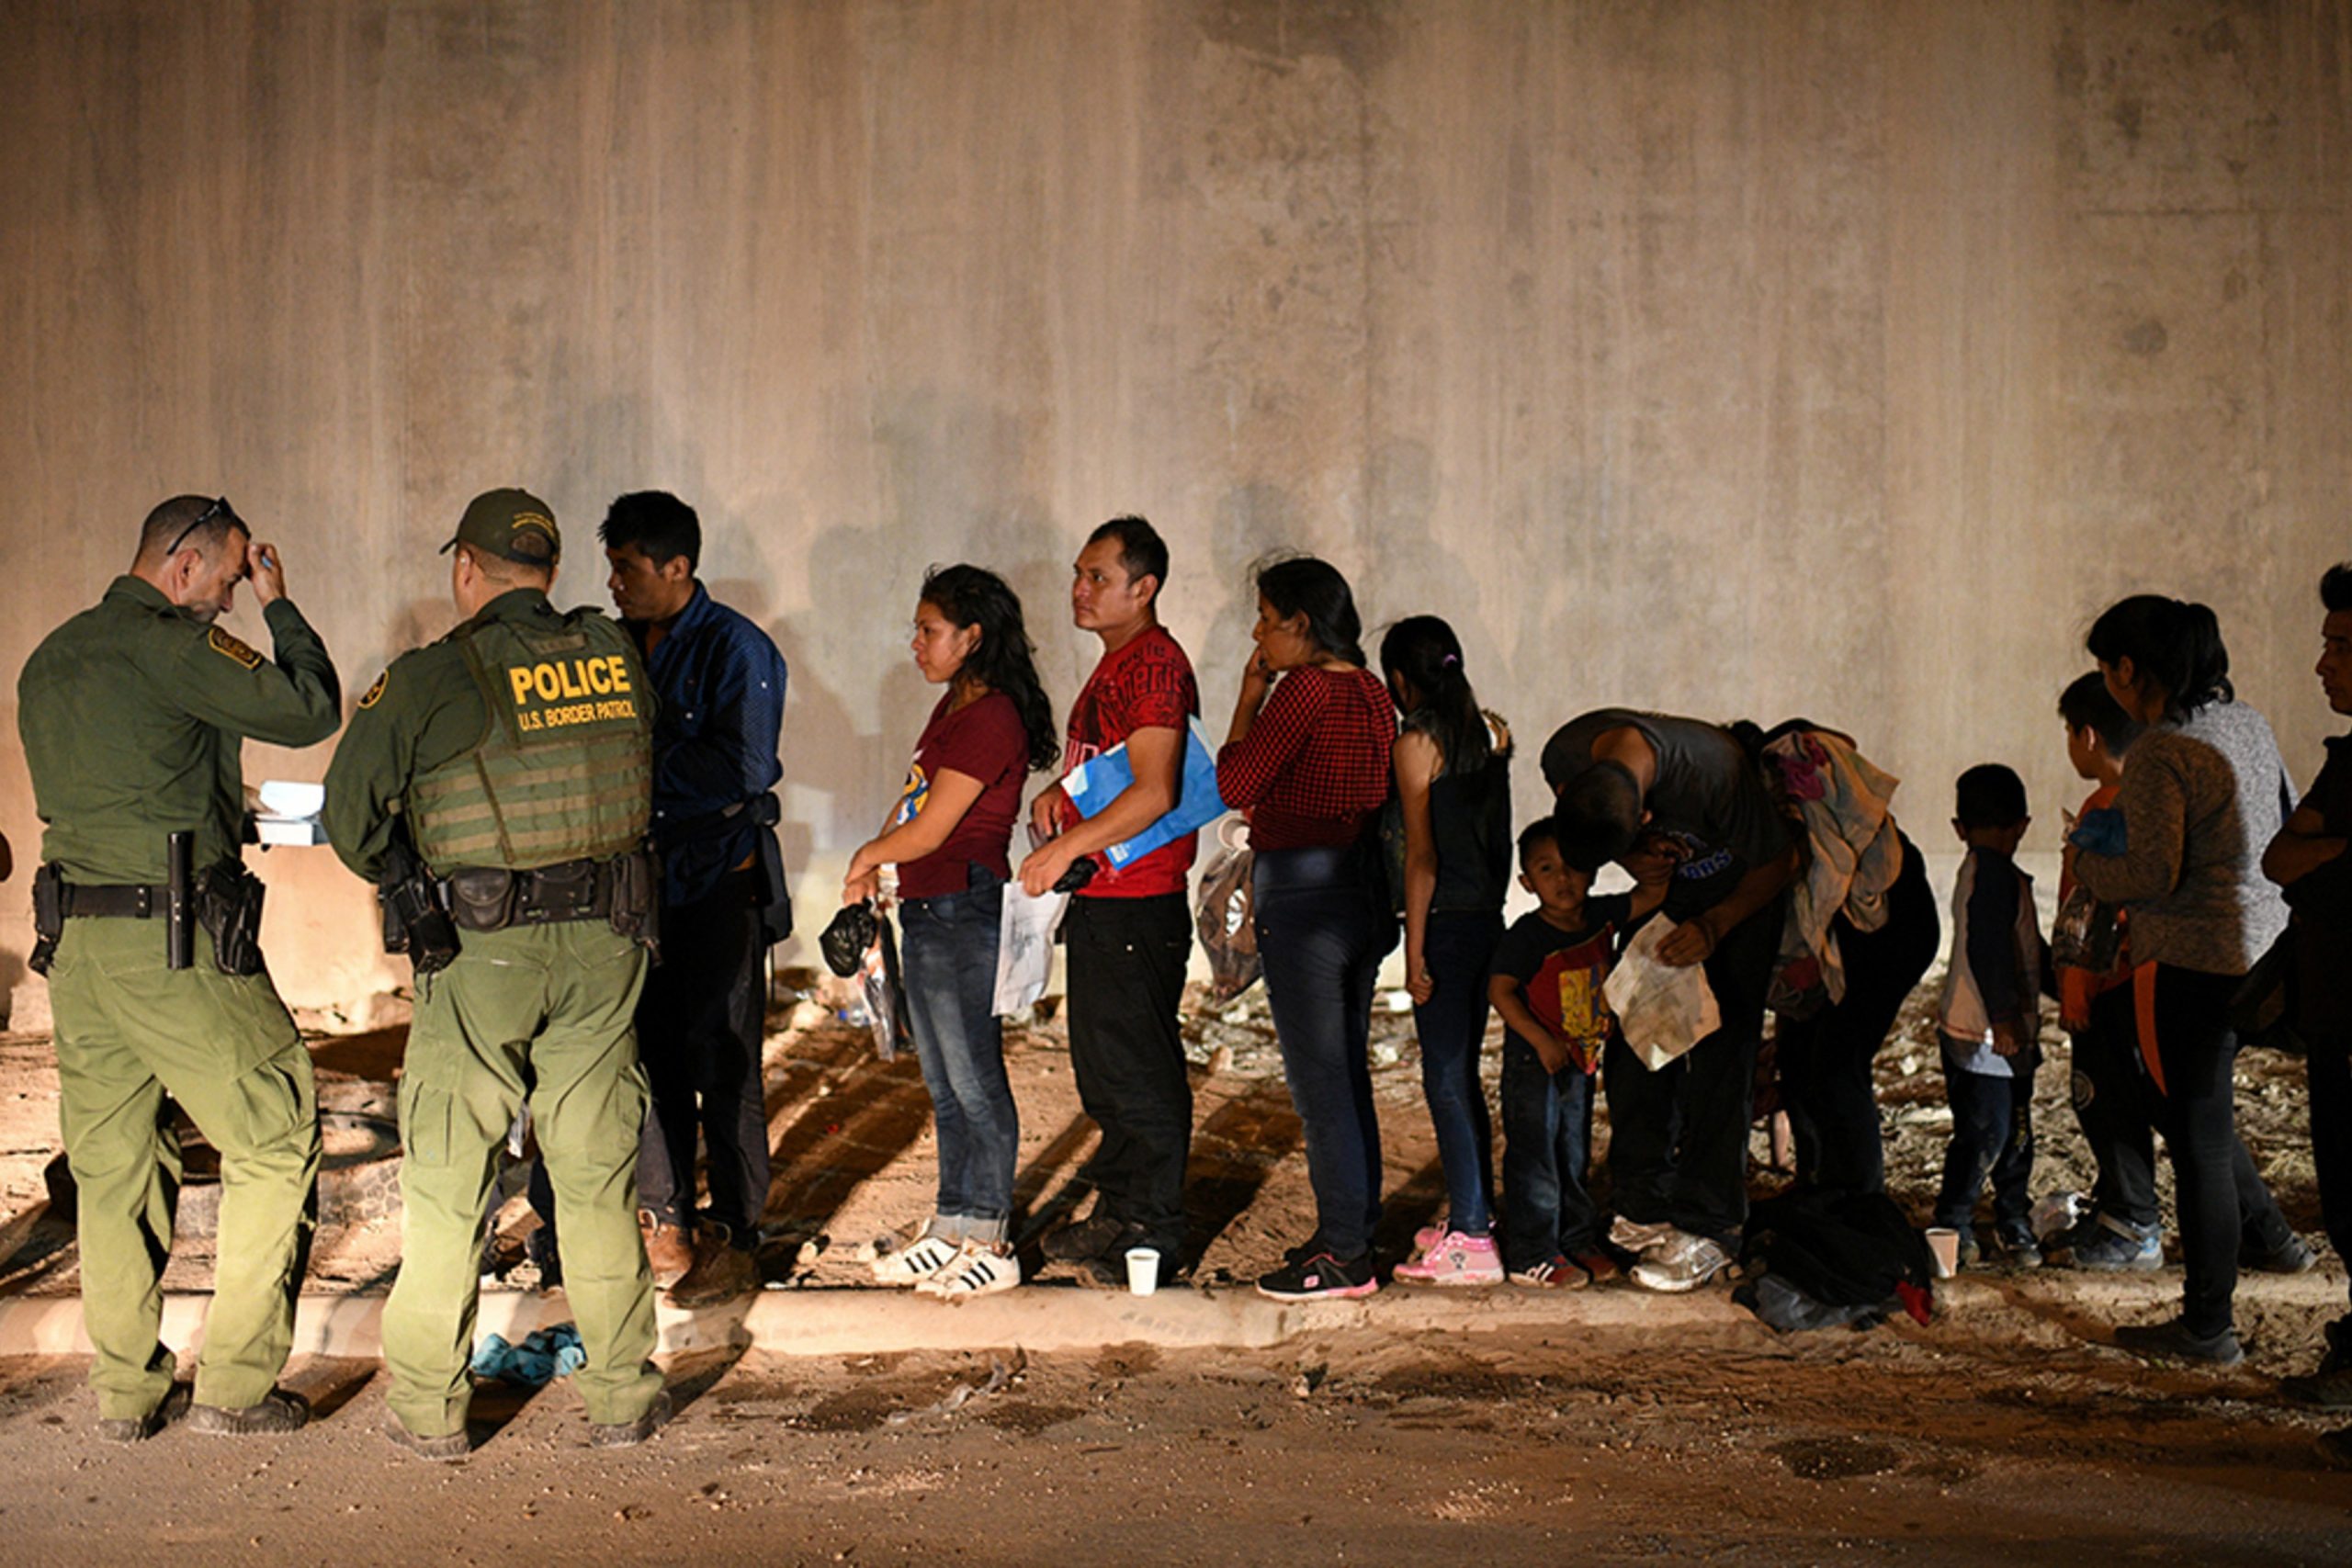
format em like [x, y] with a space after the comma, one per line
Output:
[2173, 1342]
[628, 1434]
[2016, 1246]
[1319, 1277]
[448, 1448]
[1089, 1237]
[138, 1429]
[1109, 1267]
[278, 1413]
[2292, 1256]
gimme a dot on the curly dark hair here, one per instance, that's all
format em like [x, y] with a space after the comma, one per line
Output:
[1005, 660]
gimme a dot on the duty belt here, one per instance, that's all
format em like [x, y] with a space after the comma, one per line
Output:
[134, 901]
[490, 898]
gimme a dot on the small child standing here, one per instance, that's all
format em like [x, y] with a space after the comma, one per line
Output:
[1991, 1020]
[1548, 973]
[2113, 1099]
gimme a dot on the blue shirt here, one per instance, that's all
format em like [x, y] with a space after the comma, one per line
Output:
[720, 681]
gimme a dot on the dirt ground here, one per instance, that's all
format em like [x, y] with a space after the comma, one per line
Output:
[1952, 1444]
[2006, 1429]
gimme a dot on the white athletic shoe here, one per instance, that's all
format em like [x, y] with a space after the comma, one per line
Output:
[1635, 1235]
[1681, 1262]
[977, 1270]
[917, 1263]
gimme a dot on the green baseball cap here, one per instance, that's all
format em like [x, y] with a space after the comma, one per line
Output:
[512, 523]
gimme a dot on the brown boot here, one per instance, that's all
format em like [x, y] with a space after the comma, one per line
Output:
[669, 1249]
[721, 1272]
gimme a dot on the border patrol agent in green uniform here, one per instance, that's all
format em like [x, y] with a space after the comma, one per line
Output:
[132, 714]
[515, 756]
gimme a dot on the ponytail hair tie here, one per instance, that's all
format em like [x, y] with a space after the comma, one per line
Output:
[1450, 661]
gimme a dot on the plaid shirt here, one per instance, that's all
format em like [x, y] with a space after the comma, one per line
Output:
[1315, 763]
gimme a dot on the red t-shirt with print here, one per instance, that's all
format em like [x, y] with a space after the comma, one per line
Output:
[1147, 684]
[984, 740]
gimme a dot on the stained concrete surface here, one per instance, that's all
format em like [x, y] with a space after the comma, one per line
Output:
[1749, 358]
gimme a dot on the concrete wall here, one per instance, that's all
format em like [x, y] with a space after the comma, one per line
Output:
[1730, 357]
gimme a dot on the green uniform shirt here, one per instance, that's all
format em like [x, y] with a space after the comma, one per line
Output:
[425, 711]
[132, 715]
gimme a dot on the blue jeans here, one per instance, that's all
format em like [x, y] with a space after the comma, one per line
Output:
[948, 944]
[1321, 938]
[1992, 1136]
[1456, 948]
[1547, 1148]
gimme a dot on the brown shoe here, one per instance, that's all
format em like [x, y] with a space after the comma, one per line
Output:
[721, 1272]
[668, 1248]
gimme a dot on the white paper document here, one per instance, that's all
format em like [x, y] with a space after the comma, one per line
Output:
[1663, 1010]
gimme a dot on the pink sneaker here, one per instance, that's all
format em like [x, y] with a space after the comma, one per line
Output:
[1456, 1259]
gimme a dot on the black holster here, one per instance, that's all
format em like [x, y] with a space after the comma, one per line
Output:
[49, 917]
[636, 910]
[228, 901]
[414, 921]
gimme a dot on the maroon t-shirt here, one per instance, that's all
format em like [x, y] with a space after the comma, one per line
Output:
[1147, 684]
[984, 740]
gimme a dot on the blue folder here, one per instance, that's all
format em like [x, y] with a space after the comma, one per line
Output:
[1095, 783]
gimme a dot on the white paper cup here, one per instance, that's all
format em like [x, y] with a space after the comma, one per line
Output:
[1143, 1271]
[1945, 1245]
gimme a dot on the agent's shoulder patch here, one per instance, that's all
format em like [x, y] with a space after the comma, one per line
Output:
[230, 646]
[376, 691]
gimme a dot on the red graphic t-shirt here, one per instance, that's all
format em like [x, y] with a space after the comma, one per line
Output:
[983, 740]
[1147, 684]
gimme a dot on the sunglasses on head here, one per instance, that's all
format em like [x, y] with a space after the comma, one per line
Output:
[219, 508]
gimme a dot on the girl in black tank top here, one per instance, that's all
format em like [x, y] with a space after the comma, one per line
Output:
[1450, 831]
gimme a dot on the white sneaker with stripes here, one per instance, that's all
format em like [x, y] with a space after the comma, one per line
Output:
[918, 1263]
[977, 1270]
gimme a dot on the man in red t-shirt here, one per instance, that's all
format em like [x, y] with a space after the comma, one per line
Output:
[1128, 935]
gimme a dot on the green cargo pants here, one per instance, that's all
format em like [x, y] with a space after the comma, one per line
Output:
[544, 1013]
[128, 1029]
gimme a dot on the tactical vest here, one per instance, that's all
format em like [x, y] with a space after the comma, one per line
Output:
[564, 771]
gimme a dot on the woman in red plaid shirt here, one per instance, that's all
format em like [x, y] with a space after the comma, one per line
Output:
[1307, 760]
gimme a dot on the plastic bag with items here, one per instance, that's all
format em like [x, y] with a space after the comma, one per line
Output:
[1229, 934]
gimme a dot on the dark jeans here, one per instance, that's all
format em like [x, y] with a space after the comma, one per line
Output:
[1992, 1135]
[1678, 1137]
[948, 944]
[1547, 1146]
[2330, 1069]
[1321, 936]
[1456, 948]
[1126, 959]
[2220, 1195]
[699, 1028]
[1826, 1060]
[2114, 1103]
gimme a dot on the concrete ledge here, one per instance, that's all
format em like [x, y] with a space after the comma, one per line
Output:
[868, 1321]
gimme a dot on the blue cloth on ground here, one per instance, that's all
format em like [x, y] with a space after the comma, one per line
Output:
[1097, 781]
[546, 1354]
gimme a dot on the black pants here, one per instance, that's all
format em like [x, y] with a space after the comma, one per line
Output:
[1126, 959]
[2331, 1092]
[2223, 1202]
[2115, 1103]
[1991, 1137]
[1826, 1061]
[1678, 1137]
[698, 1030]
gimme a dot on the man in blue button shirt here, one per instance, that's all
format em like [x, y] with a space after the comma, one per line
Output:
[720, 683]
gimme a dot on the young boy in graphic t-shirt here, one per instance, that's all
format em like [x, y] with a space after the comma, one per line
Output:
[1547, 983]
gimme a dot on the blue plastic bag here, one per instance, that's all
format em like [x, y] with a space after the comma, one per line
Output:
[1097, 781]
[547, 1354]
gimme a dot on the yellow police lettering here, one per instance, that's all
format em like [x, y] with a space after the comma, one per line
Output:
[522, 679]
[600, 676]
[620, 677]
[543, 679]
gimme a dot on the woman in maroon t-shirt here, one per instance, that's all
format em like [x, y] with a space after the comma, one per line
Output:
[1307, 759]
[948, 835]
